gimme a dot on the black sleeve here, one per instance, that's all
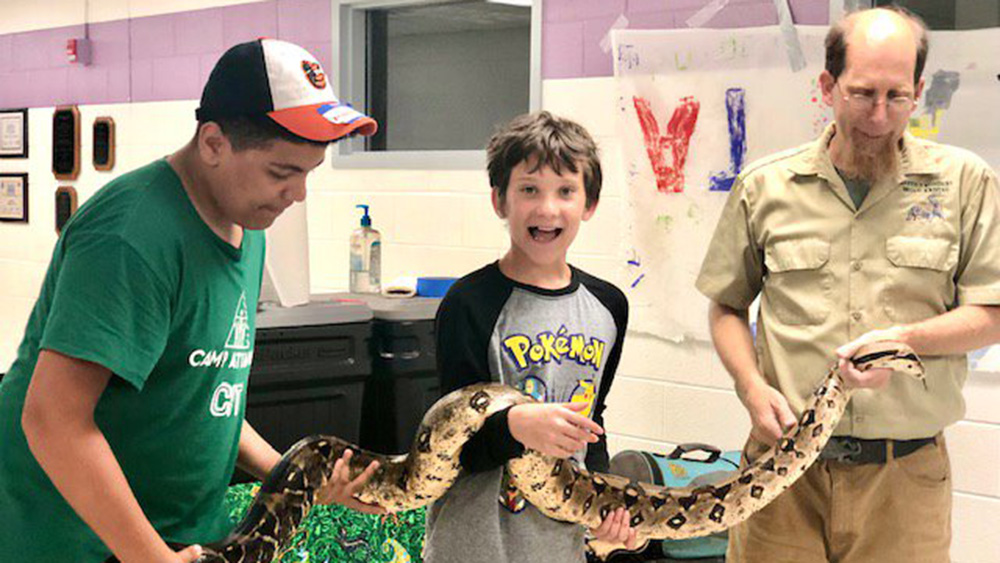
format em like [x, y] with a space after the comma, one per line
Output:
[461, 349]
[463, 327]
[617, 304]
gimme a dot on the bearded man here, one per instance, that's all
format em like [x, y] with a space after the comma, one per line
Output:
[865, 234]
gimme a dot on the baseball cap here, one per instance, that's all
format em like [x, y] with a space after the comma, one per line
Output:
[285, 82]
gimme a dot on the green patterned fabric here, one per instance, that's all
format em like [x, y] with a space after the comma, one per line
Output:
[334, 534]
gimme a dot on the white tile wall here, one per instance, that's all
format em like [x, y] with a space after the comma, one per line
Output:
[637, 409]
[142, 8]
[26, 16]
[974, 525]
[982, 396]
[974, 449]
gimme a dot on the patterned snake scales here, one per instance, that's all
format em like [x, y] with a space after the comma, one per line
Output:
[556, 487]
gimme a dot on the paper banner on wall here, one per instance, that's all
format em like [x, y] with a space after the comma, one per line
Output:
[696, 107]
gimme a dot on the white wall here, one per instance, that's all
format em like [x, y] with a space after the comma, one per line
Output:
[29, 15]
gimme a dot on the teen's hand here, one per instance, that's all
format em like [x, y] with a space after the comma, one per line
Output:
[769, 412]
[555, 429]
[165, 554]
[617, 530]
[340, 489]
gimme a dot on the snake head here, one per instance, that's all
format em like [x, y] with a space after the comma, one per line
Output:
[892, 355]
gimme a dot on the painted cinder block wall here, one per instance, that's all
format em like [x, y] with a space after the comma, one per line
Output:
[150, 60]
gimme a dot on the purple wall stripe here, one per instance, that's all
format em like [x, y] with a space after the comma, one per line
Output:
[155, 58]
[572, 30]
[169, 57]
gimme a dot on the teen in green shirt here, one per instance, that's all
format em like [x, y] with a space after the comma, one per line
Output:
[121, 419]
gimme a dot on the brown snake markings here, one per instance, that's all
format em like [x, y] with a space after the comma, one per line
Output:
[558, 488]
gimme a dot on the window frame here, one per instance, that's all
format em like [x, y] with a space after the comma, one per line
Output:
[348, 48]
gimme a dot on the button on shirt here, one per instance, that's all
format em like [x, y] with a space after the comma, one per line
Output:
[919, 245]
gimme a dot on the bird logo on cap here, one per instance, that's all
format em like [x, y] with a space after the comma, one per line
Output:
[315, 74]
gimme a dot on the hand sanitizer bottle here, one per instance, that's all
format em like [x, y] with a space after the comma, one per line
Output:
[366, 257]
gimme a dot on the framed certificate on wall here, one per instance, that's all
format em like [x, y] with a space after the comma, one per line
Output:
[14, 133]
[14, 197]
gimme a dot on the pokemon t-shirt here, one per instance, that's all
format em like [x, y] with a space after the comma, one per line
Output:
[555, 345]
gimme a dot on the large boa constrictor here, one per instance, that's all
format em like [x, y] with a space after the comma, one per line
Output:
[556, 487]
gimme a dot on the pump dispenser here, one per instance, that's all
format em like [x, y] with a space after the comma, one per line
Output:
[366, 256]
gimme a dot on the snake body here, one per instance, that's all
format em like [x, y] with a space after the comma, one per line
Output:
[558, 488]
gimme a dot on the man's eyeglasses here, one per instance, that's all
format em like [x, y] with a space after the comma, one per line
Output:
[865, 102]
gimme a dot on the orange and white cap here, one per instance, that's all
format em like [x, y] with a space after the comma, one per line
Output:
[286, 83]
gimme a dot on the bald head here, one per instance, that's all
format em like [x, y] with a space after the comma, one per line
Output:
[874, 29]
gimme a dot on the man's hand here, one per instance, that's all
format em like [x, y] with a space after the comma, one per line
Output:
[770, 414]
[616, 530]
[873, 378]
[555, 429]
[340, 489]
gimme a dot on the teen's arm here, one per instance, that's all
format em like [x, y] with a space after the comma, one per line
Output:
[255, 456]
[58, 422]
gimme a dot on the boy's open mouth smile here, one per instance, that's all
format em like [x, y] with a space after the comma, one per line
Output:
[544, 234]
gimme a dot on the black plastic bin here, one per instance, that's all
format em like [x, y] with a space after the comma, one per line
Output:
[404, 381]
[309, 370]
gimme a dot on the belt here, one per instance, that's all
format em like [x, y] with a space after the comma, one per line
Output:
[857, 451]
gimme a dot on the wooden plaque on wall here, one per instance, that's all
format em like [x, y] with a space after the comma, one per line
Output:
[66, 143]
[65, 205]
[104, 143]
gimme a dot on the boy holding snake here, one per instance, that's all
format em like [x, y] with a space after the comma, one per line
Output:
[533, 322]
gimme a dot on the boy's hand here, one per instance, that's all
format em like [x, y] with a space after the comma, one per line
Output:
[616, 529]
[340, 489]
[555, 429]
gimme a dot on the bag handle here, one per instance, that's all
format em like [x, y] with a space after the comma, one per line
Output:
[681, 450]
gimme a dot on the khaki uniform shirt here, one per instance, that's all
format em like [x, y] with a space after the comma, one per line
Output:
[920, 245]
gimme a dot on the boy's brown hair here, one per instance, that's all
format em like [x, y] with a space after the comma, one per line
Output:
[549, 140]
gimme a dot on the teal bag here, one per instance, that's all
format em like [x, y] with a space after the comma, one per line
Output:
[690, 464]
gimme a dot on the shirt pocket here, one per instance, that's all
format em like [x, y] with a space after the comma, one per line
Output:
[919, 283]
[799, 283]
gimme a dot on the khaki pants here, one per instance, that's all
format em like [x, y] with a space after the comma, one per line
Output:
[899, 511]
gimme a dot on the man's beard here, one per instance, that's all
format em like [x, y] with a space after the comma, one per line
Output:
[871, 160]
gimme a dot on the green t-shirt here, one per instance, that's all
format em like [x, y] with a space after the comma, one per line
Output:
[139, 284]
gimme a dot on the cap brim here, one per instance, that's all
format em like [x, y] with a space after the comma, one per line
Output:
[324, 122]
